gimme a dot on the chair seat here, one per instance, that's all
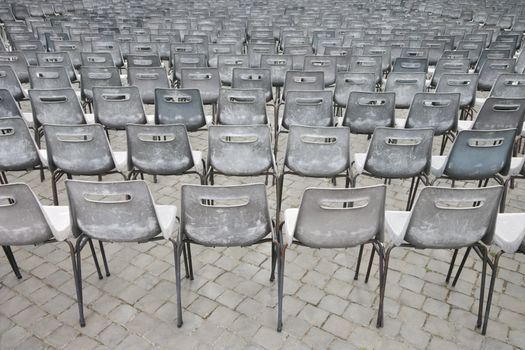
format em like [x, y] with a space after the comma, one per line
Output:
[465, 124]
[59, 221]
[438, 165]
[28, 118]
[359, 162]
[510, 231]
[90, 118]
[400, 123]
[197, 160]
[396, 223]
[167, 217]
[290, 219]
[121, 160]
[516, 164]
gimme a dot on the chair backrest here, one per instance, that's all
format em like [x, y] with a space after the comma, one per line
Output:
[493, 54]
[143, 48]
[313, 108]
[366, 111]
[97, 59]
[8, 106]
[23, 221]
[72, 47]
[179, 106]
[240, 150]
[474, 49]
[18, 150]
[256, 51]
[509, 85]
[347, 83]
[341, 217]
[501, 113]
[49, 77]
[318, 151]
[147, 80]
[278, 65]
[253, 78]
[405, 86]
[9, 81]
[435, 50]
[57, 59]
[303, 81]
[384, 51]
[114, 107]
[225, 215]
[159, 149]
[144, 61]
[183, 60]
[215, 49]
[29, 48]
[242, 107]
[112, 47]
[520, 63]
[367, 64]
[226, 64]
[491, 69]
[465, 84]
[78, 149]
[97, 76]
[399, 153]
[206, 80]
[438, 111]
[325, 64]
[18, 63]
[449, 66]
[453, 217]
[56, 106]
[112, 211]
[410, 65]
[480, 154]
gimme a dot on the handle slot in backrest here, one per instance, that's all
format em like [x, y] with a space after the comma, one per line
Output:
[457, 204]
[233, 62]
[239, 138]
[7, 201]
[452, 66]
[320, 63]
[224, 202]
[99, 75]
[319, 140]
[189, 60]
[7, 131]
[499, 65]
[514, 82]
[505, 108]
[343, 204]
[486, 143]
[411, 65]
[147, 76]
[251, 77]
[113, 198]
[305, 79]
[355, 81]
[363, 101]
[178, 99]
[143, 48]
[47, 75]
[54, 59]
[403, 141]
[454, 82]
[220, 50]
[74, 138]
[156, 137]
[96, 59]
[200, 76]
[67, 47]
[242, 99]
[53, 99]
[276, 62]
[27, 47]
[143, 62]
[116, 97]
[309, 101]
[366, 63]
[436, 103]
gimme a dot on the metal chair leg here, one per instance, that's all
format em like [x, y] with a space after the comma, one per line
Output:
[78, 281]
[95, 259]
[11, 258]
[381, 256]
[274, 260]
[185, 257]
[482, 289]
[190, 262]
[380, 316]
[280, 288]
[460, 268]
[177, 250]
[358, 266]
[491, 291]
[451, 267]
[369, 268]
[104, 259]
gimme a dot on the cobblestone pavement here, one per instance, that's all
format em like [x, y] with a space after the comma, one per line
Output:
[232, 305]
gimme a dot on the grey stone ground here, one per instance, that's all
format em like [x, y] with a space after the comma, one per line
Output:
[232, 305]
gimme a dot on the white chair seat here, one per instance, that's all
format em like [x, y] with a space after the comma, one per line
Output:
[510, 231]
[150, 118]
[28, 118]
[400, 123]
[167, 217]
[59, 221]
[197, 160]
[90, 118]
[516, 164]
[359, 162]
[437, 165]
[43, 157]
[465, 125]
[396, 223]
[290, 219]
[121, 160]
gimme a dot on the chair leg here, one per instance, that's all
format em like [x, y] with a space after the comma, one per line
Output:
[358, 265]
[177, 250]
[381, 257]
[190, 262]
[54, 179]
[104, 259]
[280, 288]
[380, 317]
[11, 258]
[483, 250]
[369, 268]
[95, 259]
[443, 144]
[185, 257]
[451, 267]
[274, 260]
[460, 268]
[3, 178]
[78, 280]
[491, 291]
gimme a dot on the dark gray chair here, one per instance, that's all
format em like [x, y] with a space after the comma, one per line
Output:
[366, 111]
[115, 107]
[242, 107]
[180, 106]
[405, 86]
[148, 79]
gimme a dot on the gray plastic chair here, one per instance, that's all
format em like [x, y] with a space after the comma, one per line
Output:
[162, 150]
[57, 59]
[493, 54]
[474, 49]
[477, 155]
[144, 61]
[325, 64]
[8, 106]
[217, 216]
[227, 63]
[18, 63]
[242, 107]
[334, 218]
[180, 106]
[112, 47]
[303, 81]
[29, 48]
[501, 113]
[186, 60]
[278, 65]
[148, 80]
[206, 80]
[253, 78]
[410, 65]
[96, 59]
[216, 49]
[447, 218]
[48, 78]
[125, 207]
[449, 66]
[509, 85]
[115, 107]
[367, 64]
[342, 55]
[366, 111]
[438, 111]
[397, 154]
[466, 85]
[48, 224]
[97, 76]
[57, 106]
[240, 150]
[346, 83]
[384, 51]
[256, 51]
[405, 86]
[491, 69]
[72, 47]
[9, 81]
[80, 150]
